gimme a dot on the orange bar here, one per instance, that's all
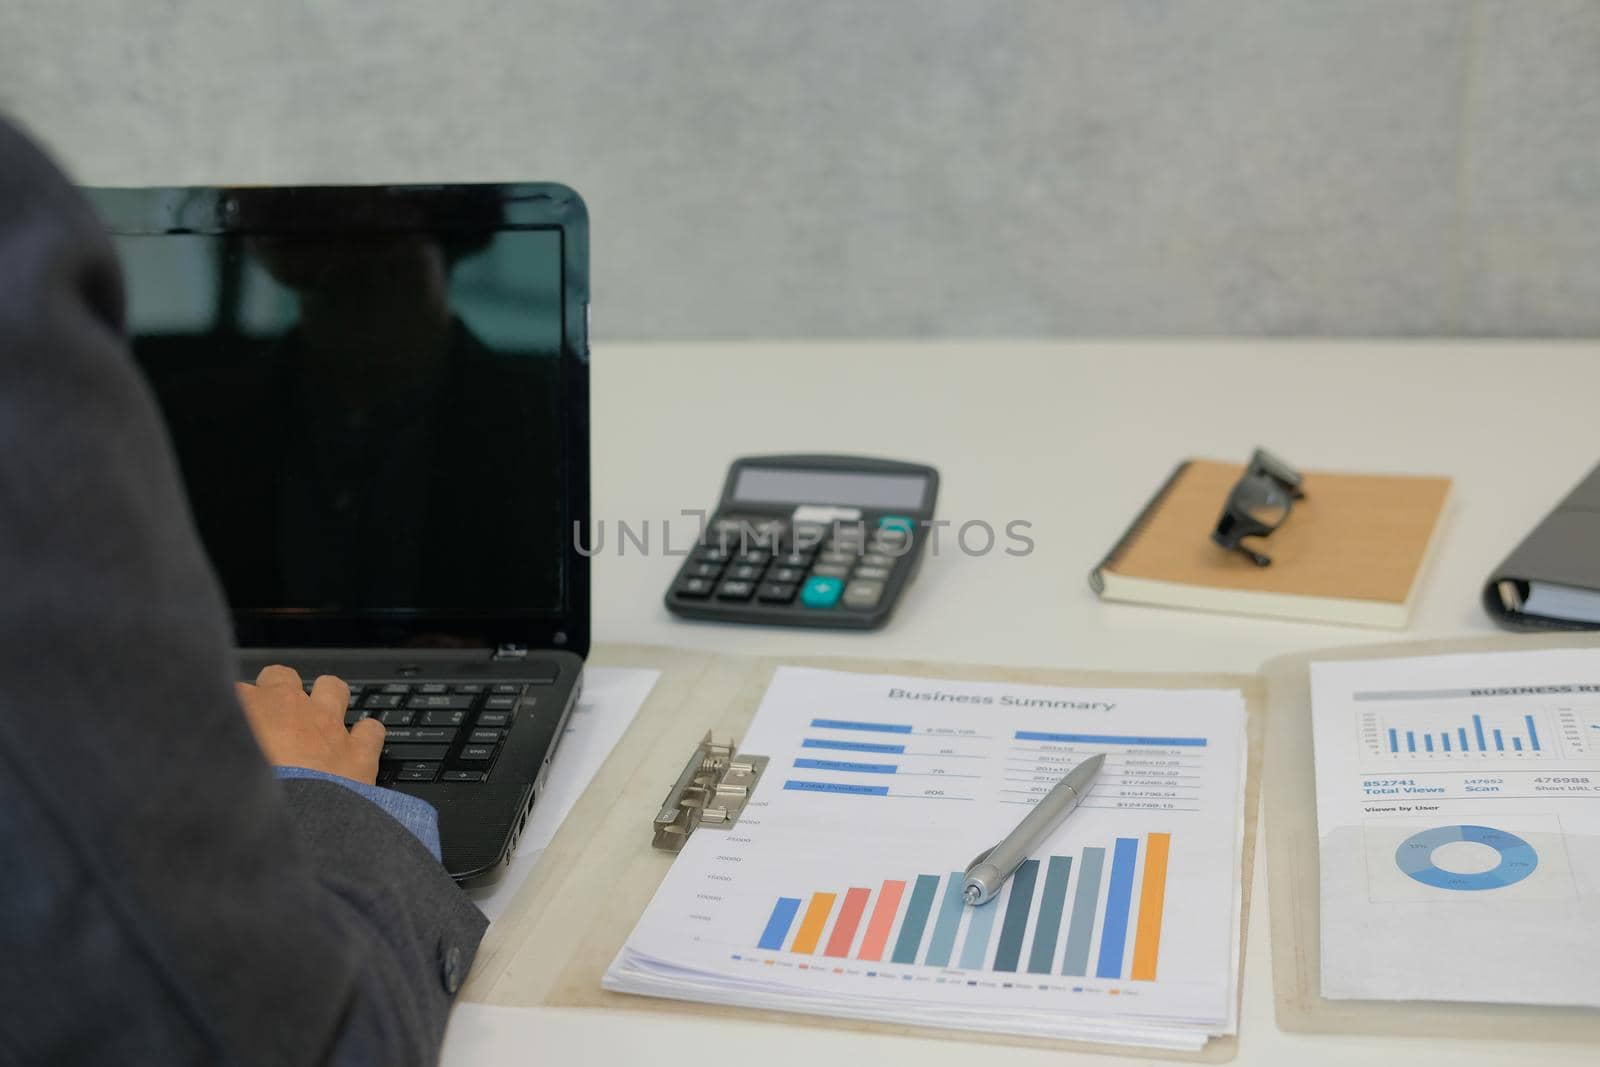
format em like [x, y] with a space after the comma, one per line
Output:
[1152, 897]
[882, 921]
[811, 926]
[844, 931]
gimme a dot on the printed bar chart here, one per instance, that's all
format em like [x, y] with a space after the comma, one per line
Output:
[1051, 918]
[1453, 734]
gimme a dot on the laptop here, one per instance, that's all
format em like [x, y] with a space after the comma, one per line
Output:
[378, 398]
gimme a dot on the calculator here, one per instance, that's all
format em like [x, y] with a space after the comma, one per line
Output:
[822, 541]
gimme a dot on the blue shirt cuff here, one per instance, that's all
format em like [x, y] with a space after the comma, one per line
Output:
[416, 815]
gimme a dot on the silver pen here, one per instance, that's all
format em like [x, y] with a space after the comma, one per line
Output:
[989, 871]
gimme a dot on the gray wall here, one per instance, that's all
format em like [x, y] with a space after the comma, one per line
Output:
[817, 168]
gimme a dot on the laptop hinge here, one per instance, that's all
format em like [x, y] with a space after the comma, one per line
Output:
[511, 652]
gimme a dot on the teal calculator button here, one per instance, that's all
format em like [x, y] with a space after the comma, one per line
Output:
[897, 522]
[821, 592]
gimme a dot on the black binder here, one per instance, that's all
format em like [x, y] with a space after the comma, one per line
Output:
[1551, 581]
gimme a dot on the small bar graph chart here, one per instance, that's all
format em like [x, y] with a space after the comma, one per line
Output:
[1456, 735]
[1096, 914]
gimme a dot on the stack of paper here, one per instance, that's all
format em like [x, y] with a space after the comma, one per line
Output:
[1458, 811]
[838, 892]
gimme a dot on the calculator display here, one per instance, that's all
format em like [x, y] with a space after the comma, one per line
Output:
[757, 485]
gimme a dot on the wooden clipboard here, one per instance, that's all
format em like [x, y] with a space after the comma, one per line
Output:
[584, 897]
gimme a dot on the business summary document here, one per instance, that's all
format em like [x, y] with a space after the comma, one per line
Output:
[1458, 808]
[839, 890]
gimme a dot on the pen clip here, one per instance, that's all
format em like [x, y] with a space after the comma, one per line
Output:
[980, 857]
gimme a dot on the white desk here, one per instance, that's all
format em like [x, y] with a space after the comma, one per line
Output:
[1072, 438]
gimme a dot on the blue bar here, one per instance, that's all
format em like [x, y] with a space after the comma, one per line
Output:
[783, 913]
[845, 724]
[916, 920]
[1084, 900]
[853, 746]
[1516, 743]
[976, 946]
[838, 787]
[1533, 734]
[1051, 907]
[1114, 934]
[1446, 739]
[1394, 742]
[1477, 725]
[1018, 904]
[1112, 739]
[1463, 732]
[840, 765]
[1427, 742]
[944, 928]
[1411, 741]
[1499, 742]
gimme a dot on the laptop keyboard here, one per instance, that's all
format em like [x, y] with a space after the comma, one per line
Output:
[438, 731]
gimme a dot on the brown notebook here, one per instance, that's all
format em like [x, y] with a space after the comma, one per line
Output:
[1353, 551]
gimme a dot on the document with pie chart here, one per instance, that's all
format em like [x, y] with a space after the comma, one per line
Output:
[1458, 811]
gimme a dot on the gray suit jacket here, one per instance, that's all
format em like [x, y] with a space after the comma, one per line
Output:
[163, 899]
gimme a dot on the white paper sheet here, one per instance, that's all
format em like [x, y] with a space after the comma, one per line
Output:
[611, 697]
[833, 893]
[1458, 808]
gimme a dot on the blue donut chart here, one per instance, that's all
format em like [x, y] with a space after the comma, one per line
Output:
[1517, 858]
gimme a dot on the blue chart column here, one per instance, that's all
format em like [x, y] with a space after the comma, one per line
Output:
[1018, 904]
[916, 920]
[778, 925]
[1051, 906]
[1081, 930]
[1114, 934]
[944, 930]
[976, 948]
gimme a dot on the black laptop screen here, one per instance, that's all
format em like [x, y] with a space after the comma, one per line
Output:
[368, 423]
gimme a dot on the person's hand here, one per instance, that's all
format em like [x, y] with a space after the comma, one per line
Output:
[296, 730]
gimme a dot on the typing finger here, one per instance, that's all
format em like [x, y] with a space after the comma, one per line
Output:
[278, 674]
[331, 693]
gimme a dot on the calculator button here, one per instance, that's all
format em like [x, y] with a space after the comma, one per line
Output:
[712, 554]
[703, 570]
[735, 590]
[776, 592]
[904, 523]
[755, 556]
[872, 574]
[830, 570]
[838, 559]
[894, 549]
[744, 572]
[860, 594]
[808, 535]
[694, 588]
[801, 559]
[877, 559]
[821, 592]
[787, 575]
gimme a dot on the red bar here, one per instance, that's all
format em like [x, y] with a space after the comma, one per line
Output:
[882, 921]
[844, 930]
